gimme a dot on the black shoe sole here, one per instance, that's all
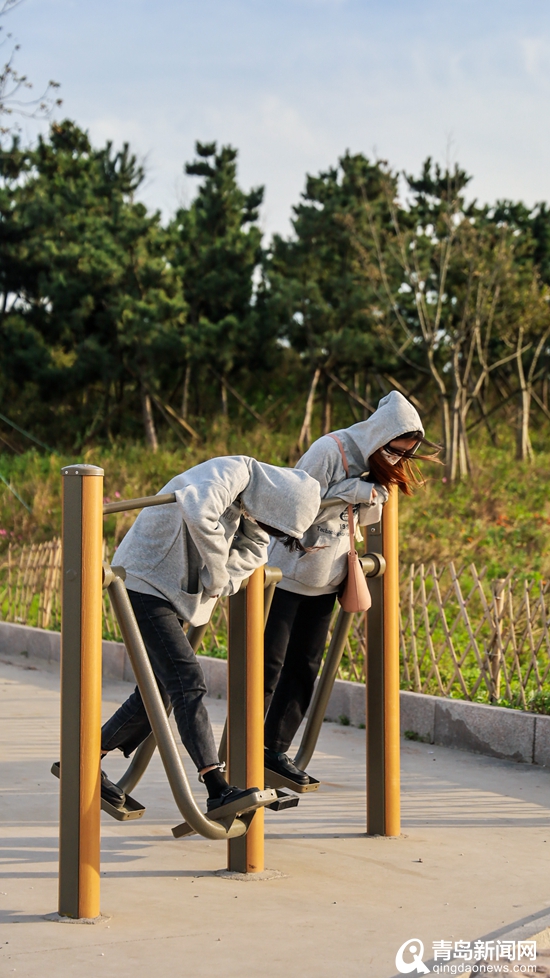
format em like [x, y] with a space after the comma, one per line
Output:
[276, 780]
[283, 773]
[215, 804]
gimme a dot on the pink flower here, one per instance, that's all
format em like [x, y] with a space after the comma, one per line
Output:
[444, 479]
[117, 495]
[106, 499]
[3, 533]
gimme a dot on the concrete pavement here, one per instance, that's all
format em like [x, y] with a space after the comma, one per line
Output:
[472, 862]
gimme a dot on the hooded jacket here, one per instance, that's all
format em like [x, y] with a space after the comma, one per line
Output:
[203, 545]
[323, 570]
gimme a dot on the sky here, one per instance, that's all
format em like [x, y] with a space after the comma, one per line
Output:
[293, 84]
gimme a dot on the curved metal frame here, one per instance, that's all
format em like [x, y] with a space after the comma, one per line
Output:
[143, 754]
[158, 718]
[374, 565]
[323, 690]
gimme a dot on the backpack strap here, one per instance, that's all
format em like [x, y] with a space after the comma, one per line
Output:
[351, 522]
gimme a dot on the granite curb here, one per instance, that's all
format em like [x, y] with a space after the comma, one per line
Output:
[492, 730]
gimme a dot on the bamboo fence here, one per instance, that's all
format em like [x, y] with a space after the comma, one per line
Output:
[462, 635]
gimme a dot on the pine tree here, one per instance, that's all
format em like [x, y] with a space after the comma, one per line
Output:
[96, 311]
[216, 251]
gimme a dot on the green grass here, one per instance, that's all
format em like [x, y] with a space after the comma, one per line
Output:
[130, 470]
[499, 518]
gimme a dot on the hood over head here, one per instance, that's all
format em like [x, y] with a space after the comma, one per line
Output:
[286, 499]
[394, 416]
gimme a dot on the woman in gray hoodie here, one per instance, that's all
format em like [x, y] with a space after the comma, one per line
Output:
[179, 558]
[296, 632]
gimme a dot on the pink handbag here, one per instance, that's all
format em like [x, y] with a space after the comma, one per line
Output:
[356, 594]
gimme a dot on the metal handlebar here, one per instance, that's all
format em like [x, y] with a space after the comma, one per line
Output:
[141, 503]
[162, 498]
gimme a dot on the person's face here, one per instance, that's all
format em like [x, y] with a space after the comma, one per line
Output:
[401, 446]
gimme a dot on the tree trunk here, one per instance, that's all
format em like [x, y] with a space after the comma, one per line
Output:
[452, 453]
[524, 448]
[304, 441]
[149, 421]
[225, 409]
[367, 399]
[185, 396]
[446, 434]
[465, 458]
[457, 454]
[327, 409]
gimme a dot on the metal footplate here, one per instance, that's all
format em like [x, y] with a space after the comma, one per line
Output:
[243, 808]
[132, 809]
[275, 780]
[283, 802]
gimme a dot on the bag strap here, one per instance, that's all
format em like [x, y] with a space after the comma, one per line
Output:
[351, 522]
[342, 453]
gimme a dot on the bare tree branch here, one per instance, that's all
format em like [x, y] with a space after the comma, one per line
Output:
[13, 84]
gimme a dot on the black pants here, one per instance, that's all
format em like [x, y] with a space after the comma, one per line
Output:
[295, 638]
[180, 680]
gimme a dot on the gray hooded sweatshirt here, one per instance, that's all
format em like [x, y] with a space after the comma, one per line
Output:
[204, 545]
[322, 571]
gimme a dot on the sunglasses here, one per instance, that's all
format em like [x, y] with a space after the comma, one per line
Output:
[402, 452]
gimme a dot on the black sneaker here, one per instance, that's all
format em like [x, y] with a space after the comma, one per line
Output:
[281, 764]
[111, 793]
[231, 793]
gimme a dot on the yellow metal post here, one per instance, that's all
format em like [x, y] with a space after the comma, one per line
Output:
[382, 680]
[246, 714]
[390, 536]
[79, 836]
[255, 713]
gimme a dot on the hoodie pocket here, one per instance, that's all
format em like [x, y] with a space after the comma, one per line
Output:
[197, 607]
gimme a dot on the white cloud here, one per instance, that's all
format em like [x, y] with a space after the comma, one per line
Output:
[281, 121]
[293, 84]
[536, 55]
